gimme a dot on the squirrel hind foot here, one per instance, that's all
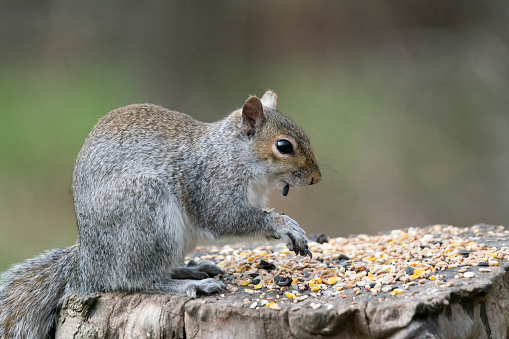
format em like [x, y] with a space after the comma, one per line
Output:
[204, 287]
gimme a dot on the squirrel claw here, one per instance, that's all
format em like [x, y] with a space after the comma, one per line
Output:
[308, 252]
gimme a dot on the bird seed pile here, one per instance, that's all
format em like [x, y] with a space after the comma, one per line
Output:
[384, 265]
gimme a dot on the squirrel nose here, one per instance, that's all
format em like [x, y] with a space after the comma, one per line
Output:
[316, 178]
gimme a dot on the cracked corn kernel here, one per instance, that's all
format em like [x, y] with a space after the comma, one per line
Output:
[290, 295]
[397, 291]
[316, 281]
[257, 287]
[418, 272]
[432, 278]
[332, 281]
[244, 282]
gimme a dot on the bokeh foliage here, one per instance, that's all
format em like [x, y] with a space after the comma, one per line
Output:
[405, 105]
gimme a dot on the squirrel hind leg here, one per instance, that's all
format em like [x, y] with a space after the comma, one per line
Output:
[197, 271]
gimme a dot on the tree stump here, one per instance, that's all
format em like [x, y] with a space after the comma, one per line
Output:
[453, 305]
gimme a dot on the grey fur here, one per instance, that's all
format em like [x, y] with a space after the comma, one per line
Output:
[147, 184]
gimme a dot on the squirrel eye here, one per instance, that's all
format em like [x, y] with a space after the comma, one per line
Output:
[284, 146]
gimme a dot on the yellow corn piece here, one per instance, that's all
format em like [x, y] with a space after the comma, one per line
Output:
[315, 288]
[244, 282]
[419, 272]
[290, 295]
[315, 281]
[397, 291]
[332, 280]
[250, 259]
[270, 304]
[432, 278]
[257, 287]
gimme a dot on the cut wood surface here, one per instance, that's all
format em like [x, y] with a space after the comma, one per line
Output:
[453, 305]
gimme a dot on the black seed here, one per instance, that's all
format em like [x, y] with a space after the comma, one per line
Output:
[483, 263]
[319, 237]
[281, 281]
[306, 274]
[343, 257]
[266, 266]
[255, 282]
[423, 246]
[464, 253]
[409, 270]
[253, 275]
[286, 189]
[319, 259]
[372, 285]
[437, 242]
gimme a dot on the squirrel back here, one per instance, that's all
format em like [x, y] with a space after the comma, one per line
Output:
[148, 183]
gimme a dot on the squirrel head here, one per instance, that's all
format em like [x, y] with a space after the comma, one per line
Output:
[279, 143]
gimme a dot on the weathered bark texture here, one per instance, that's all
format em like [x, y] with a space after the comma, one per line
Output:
[472, 308]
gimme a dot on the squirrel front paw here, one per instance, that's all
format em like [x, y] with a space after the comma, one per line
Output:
[292, 234]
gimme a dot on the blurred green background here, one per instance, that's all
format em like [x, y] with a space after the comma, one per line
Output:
[405, 102]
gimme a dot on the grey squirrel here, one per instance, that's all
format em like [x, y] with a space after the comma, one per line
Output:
[147, 184]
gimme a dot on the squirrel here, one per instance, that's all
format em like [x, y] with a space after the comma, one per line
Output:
[147, 184]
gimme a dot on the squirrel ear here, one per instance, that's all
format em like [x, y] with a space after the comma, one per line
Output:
[269, 100]
[252, 115]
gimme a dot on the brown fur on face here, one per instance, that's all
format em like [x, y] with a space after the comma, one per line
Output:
[299, 168]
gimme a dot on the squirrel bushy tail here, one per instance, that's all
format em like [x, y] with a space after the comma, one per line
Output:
[31, 294]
